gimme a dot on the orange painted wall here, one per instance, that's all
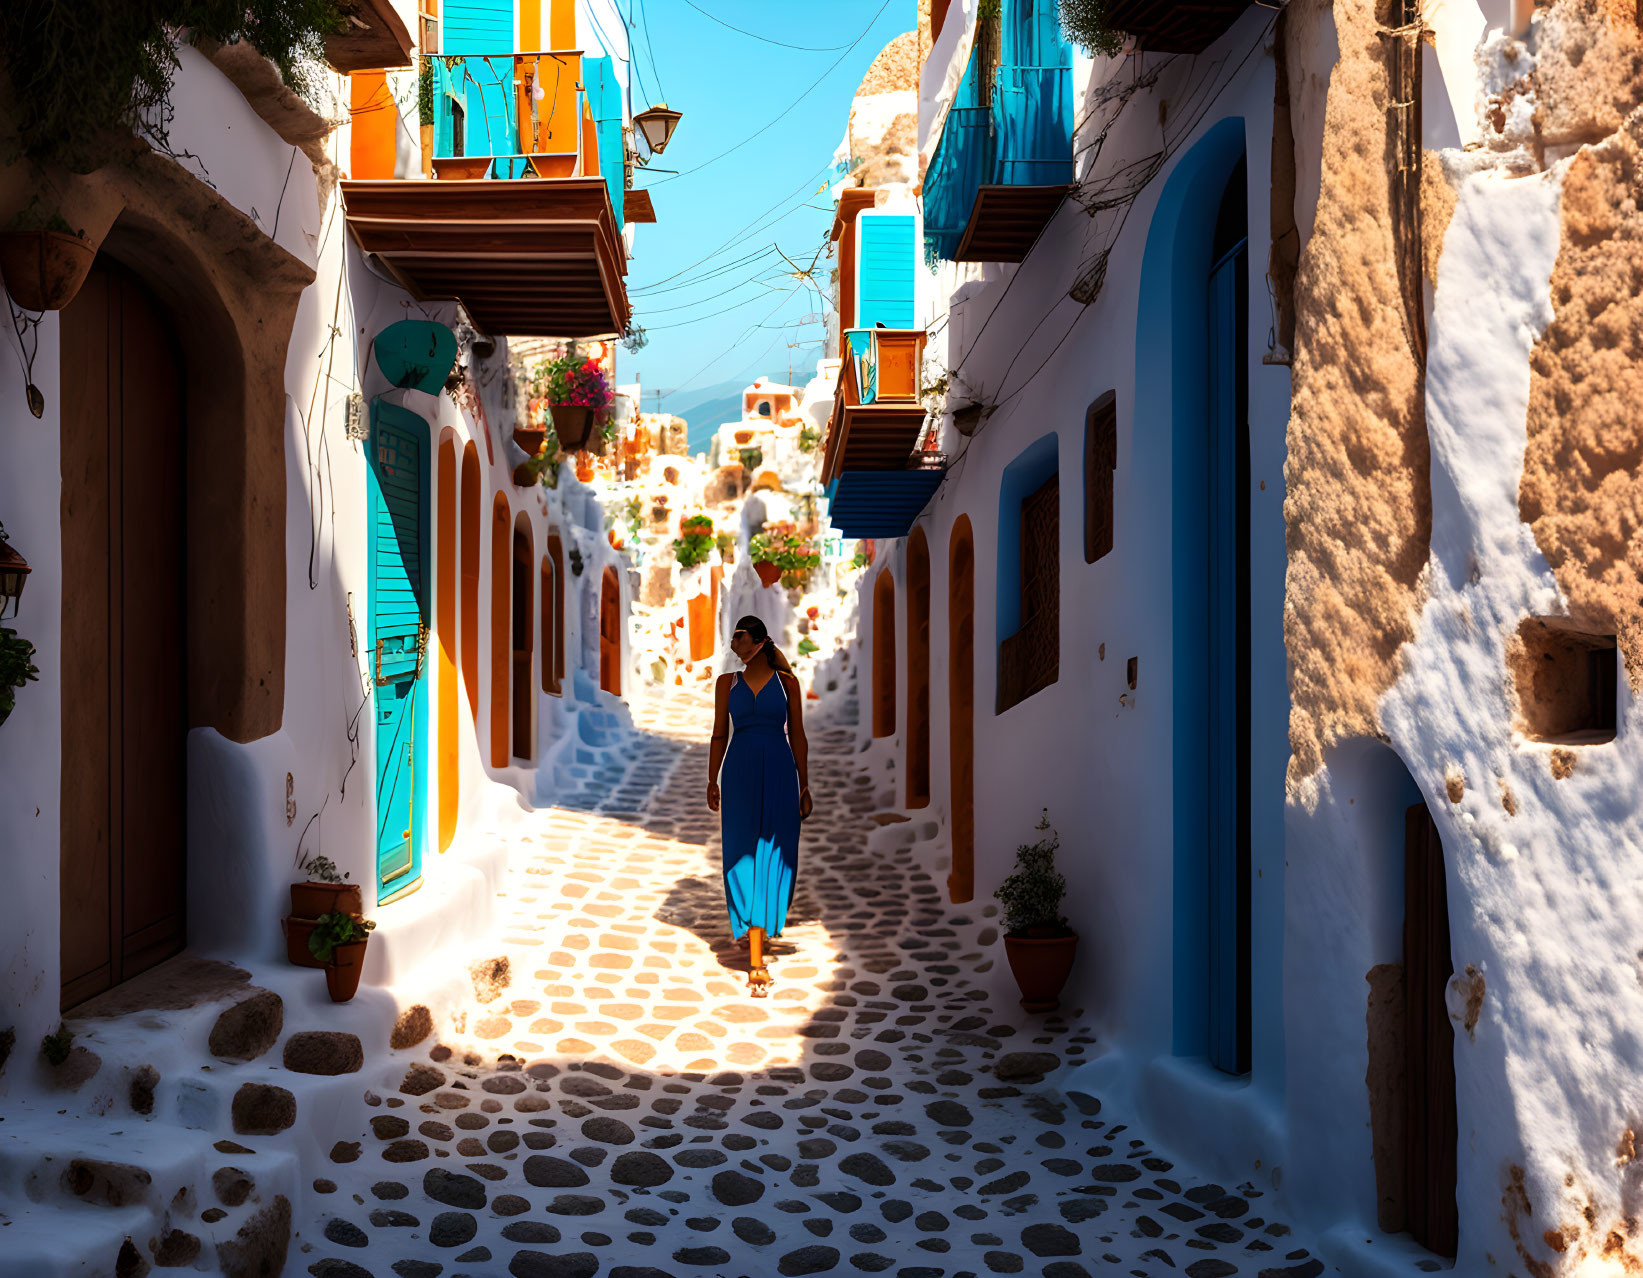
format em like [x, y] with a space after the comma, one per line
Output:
[561, 24]
[471, 490]
[530, 26]
[445, 625]
[375, 117]
[501, 627]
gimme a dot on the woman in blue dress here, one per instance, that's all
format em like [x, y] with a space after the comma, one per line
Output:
[766, 782]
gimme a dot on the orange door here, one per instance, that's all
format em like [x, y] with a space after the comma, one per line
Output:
[610, 634]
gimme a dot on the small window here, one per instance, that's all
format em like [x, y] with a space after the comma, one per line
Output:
[1100, 461]
[764, 408]
[1567, 682]
[1029, 660]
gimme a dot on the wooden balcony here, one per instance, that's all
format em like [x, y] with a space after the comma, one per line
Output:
[531, 257]
[372, 39]
[1006, 221]
[1175, 26]
[876, 480]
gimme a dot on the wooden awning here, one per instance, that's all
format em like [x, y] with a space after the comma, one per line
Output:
[372, 39]
[532, 257]
[1006, 221]
[1174, 26]
[636, 207]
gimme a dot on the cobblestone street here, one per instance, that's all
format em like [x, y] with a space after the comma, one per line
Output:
[615, 1103]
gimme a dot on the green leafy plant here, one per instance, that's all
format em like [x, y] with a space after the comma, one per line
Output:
[16, 668]
[1085, 24]
[56, 1047]
[425, 91]
[1031, 896]
[782, 544]
[859, 560]
[750, 458]
[807, 645]
[334, 929]
[726, 541]
[79, 72]
[695, 544]
[321, 869]
[809, 437]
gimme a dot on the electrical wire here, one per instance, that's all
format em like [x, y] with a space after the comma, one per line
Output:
[655, 69]
[753, 35]
[771, 123]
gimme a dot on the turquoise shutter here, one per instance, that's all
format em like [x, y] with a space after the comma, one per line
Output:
[605, 101]
[478, 26]
[886, 256]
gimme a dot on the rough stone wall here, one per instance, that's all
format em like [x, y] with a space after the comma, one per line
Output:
[1358, 510]
[1582, 487]
[884, 115]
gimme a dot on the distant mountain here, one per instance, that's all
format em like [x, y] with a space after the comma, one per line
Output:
[706, 409]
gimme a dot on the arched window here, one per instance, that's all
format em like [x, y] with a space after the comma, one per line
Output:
[501, 627]
[961, 701]
[445, 592]
[918, 670]
[471, 525]
[524, 647]
[884, 655]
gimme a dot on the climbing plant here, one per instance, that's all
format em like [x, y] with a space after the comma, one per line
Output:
[16, 668]
[77, 69]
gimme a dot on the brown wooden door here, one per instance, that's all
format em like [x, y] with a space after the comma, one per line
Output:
[1431, 1130]
[610, 634]
[524, 618]
[124, 830]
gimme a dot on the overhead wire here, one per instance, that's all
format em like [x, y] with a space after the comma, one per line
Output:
[771, 123]
[754, 35]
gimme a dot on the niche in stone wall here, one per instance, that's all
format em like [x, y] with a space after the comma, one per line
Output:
[1566, 681]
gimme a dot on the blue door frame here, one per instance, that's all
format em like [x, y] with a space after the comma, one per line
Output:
[400, 579]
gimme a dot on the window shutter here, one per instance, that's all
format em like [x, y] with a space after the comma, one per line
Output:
[1100, 461]
[886, 262]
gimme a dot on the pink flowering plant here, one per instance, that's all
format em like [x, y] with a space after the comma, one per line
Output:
[570, 379]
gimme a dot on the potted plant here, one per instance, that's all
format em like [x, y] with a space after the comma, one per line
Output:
[338, 942]
[577, 392]
[726, 542]
[531, 431]
[44, 261]
[16, 668]
[751, 458]
[694, 546]
[1037, 940]
[324, 891]
[809, 437]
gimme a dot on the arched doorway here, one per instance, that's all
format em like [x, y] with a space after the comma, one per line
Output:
[884, 655]
[1192, 371]
[548, 624]
[501, 628]
[125, 621]
[445, 592]
[610, 633]
[961, 702]
[918, 670]
[472, 514]
[524, 648]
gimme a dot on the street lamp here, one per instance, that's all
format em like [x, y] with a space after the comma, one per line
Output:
[657, 124]
[13, 570]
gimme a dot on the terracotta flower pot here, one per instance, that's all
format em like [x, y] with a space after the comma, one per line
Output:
[342, 973]
[530, 438]
[769, 573]
[744, 437]
[43, 270]
[573, 423]
[297, 931]
[1041, 965]
[310, 900]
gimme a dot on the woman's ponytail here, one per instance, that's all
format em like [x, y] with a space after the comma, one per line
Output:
[778, 661]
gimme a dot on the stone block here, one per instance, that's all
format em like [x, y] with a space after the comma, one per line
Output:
[249, 1027]
[262, 1109]
[327, 1052]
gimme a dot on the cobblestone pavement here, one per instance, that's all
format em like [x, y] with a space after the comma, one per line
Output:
[622, 1107]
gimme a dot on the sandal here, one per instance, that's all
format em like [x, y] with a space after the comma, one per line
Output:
[758, 982]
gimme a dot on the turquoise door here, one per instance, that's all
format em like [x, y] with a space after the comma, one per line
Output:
[399, 594]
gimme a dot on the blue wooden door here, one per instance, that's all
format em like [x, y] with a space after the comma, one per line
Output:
[887, 263]
[1226, 738]
[399, 595]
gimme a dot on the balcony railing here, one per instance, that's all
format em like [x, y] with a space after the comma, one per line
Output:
[1015, 132]
[510, 116]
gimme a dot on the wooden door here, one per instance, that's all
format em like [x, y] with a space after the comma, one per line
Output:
[398, 556]
[961, 699]
[124, 651]
[918, 670]
[524, 650]
[1226, 643]
[610, 634]
[1432, 1129]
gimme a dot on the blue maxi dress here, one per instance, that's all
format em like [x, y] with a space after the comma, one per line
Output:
[759, 809]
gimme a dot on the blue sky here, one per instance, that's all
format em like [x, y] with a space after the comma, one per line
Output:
[707, 328]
